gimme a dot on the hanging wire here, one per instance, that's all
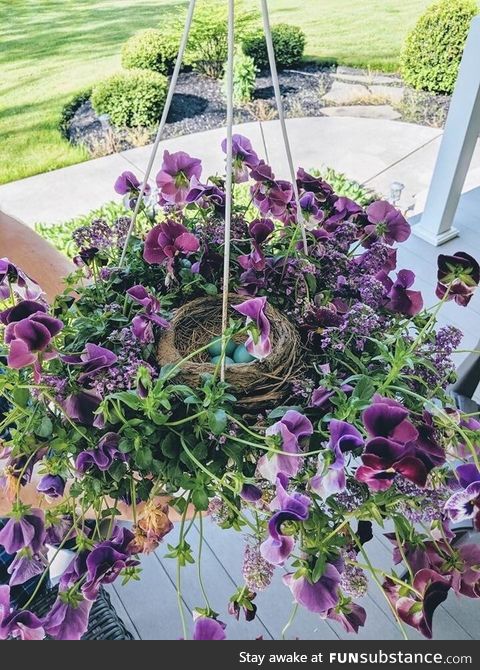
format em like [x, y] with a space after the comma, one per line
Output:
[281, 117]
[161, 126]
[229, 178]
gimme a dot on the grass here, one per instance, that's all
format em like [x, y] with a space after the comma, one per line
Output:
[50, 49]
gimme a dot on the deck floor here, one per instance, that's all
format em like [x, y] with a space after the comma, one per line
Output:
[150, 607]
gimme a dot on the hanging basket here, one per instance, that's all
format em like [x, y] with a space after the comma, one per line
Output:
[198, 322]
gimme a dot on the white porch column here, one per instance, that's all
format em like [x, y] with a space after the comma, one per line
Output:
[458, 143]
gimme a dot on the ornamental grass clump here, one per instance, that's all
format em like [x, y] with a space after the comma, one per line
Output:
[363, 433]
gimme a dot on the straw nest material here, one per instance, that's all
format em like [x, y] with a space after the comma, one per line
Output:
[198, 322]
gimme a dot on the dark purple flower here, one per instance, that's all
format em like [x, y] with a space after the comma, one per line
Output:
[399, 296]
[330, 477]
[350, 615]
[292, 428]
[128, 183]
[142, 323]
[258, 343]
[259, 230]
[206, 628]
[418, 610]
[244, 157]
[17, 624]
[82, 407]
[165, 241]
[52, 486]
[312, 184]
[385, 223]
[344, 209]
[206, 196]
[25, 566]
[103, 456]
[458, 275]
[389, 418]
[290, 507]
[25, 531]
[383, 459]
[465, 504]
[250, 493]
[174, 178]
[68, 618]
[272, 197]
[319, 597]
[92, 360]
[107, 559]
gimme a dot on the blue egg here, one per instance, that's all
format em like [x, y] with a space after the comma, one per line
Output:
[241, 355]
[215, 348]
[228, 360]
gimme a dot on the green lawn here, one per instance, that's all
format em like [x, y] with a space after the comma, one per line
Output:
[49, 49]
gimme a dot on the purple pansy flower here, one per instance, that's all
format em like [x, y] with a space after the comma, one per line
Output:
[17, 624]
[82, 407]
[258, 343]
[385, 223]
[128, 182]
[206, 196]
[206, 628]
[292, 428]
[174, 178]
[52, 486]
[13, 277]
[25, 566]
[319, 597]
[68, 618]
[313, 184]
[107, 559]
[259, 230]
[166, 241]
[103, 456]
[465, 504]
[271, 196]
[142, 323]
[251, 493]
[244, 157]
[458, 274]
[418, 610]
[25, 531]
[398, 294]
[350, 615]
[344, 209]
[330, 477]
[290, 507]
[92, 360]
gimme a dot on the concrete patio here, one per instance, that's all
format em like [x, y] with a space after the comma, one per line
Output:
[375, 153]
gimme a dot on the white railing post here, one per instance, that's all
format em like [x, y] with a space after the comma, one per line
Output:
[458, 143]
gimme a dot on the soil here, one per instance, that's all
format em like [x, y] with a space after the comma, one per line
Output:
[302, 91]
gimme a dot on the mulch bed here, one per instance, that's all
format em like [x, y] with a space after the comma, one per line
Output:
[199, 104]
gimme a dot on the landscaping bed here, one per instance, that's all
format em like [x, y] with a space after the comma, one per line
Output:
[199, 104]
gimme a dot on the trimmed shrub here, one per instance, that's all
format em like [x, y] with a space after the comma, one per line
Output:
[131, 98]
[244, 78]
[288, 42]
[207, 44]
[151, 49]
[433, 50]
[69, 110]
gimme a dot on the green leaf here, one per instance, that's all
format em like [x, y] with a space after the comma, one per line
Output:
[319, 567]
[144, 458]
[217, 421]
[364, 389]
[200, 499]
[45, 428]
[278, 412]
[210, 289]
[21, 396]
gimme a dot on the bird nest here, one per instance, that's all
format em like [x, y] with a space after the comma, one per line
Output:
[198, 322]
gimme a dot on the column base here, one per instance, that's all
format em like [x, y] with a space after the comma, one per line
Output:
[435, 239]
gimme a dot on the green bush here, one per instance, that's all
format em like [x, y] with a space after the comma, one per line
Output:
[433, 50]
[244, 78]
[288, 42]
[207, 45]
[69, 110]
[131, 98]
[151, 49]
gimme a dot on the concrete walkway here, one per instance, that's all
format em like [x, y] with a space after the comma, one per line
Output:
[375, 152]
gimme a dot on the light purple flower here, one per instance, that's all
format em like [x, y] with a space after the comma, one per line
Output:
[13, 277]
[17, 624]
[174, 178]
[289, 507]
[52, 486]
[386, 223]
[142, 323]
[330, 477]
[259, 230]
[272, 197]
[25, 566]
[351, 616]
[128, 183]
[25, 531]
[319, 597]
[166, 241]
[343, 209]
[258, 343]
[206, 196]
[68, 618]
[206, 628]
[465, 504]
[292, 428]
[244, 157]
